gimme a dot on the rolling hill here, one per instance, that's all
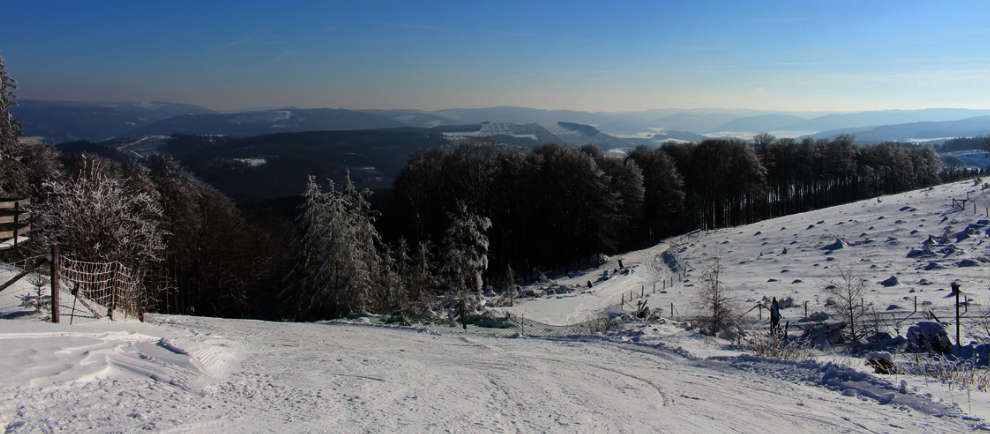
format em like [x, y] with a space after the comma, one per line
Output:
[916, 131]
[267, 122]
[63, 121]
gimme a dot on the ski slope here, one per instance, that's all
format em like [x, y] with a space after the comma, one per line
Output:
[187, 374]
[197, 374]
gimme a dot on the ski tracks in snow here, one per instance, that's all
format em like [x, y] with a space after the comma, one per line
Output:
[215, 375]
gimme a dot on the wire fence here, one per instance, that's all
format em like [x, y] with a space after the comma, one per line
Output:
[109, 284]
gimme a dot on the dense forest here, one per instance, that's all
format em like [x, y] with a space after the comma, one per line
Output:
[555, 206]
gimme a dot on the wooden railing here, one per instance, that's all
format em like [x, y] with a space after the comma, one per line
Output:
[15, 221]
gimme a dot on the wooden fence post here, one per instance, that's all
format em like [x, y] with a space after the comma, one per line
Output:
[17, 226]
[916, 304]
[806, 308]
[672, 311]
[54, 281]
[957, 313]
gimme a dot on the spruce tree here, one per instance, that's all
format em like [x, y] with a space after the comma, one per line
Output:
[338, 255]
[465, 254]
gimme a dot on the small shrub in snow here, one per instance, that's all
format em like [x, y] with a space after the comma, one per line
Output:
[881, 362]
[602, 325]
[718, 307]
[772, 345]
[958, 374]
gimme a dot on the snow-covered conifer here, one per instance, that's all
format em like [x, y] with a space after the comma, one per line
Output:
[338, 255]
[13, 174]
[465, 252]
[10, 129]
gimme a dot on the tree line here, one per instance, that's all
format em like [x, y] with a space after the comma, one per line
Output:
[555, 207]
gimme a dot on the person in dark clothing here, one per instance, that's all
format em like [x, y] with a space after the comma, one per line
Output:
[774, 316]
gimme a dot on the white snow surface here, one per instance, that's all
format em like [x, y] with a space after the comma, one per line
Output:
[188, 374]
[198, 374]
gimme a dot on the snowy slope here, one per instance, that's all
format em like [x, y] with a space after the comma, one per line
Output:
[189, 374]
[798, 256]
[192, 374]
[347, 378]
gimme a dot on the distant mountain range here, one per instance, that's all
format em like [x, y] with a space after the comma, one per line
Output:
[916, 131]
[62, 121]
[262, 167]
[59, 121]
[267, 122]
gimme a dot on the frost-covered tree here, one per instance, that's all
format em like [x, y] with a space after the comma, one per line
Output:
[335, 273]
[388, 283]
[22, 168]
[95, 216]
[418, 277]
[12, 172]
[465, 256]
[10, 129]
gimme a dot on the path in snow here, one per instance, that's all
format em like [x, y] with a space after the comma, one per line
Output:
[585, 304]
[333, 377]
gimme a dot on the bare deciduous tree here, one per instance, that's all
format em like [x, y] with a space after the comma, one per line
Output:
[717, 304]
[848, 291]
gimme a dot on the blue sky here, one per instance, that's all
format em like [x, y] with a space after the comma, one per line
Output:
[599, 56]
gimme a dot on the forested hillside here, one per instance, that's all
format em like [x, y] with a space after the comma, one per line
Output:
[555, 206]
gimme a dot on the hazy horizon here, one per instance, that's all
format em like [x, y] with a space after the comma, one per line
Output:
[482, 107]
[765, 56]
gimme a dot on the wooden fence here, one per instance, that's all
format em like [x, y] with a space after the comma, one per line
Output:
[15, 222]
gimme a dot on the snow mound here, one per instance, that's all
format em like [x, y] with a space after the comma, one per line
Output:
[843, 379]
[836, 245]
[671, 261]
[928, 336]
[62, 355]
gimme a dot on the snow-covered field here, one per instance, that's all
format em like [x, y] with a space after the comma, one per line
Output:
[799, 255]
[193, 374]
